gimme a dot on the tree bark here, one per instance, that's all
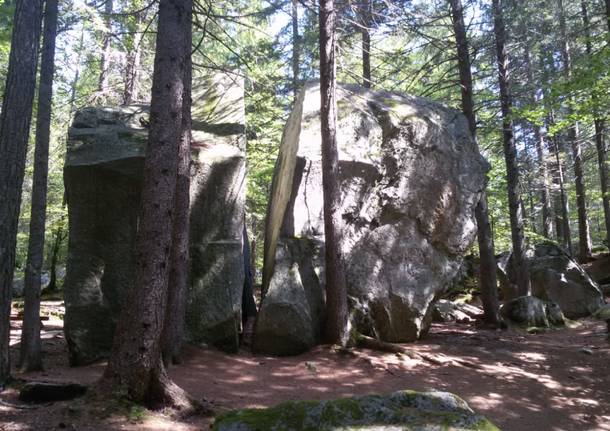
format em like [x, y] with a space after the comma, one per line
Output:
[600, 134]
[132, 65]
[296, 46]
[487, 273]
[59, 237]
[30, 349]
[510, 154]
[135, 363]
[102, 85]
[14, 131]
[584, 238]
[173, 331]
[337, 325]
[367, 7]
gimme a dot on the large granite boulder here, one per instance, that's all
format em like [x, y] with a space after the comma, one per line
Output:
[403, 410]
[529, 312]
[410, 178]
[103, 178]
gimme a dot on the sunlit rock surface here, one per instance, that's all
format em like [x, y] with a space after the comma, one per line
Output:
[399, 411]
[411, 176]
[103, 177]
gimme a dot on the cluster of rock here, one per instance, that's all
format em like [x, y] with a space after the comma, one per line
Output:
[560, 287]
[403, 410]
[410, 178]
[103, 179]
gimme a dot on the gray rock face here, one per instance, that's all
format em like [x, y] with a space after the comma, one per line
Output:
[403, 410]
[558, 278]
[449, 311]
[410, 178]
[103, 172]
[529, 311]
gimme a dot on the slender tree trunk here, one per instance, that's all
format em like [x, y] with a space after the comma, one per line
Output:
[173, 331]
[132, 66]
[14, 130]
[367, 9]
[31, 358]
[600, 135]
[75, 80]
[584, 238]
[539, 138]
[337, 325]
[59, 237]
[510, 155]
[296, 46]
[135, 363]
[487, 273]
[102, 86]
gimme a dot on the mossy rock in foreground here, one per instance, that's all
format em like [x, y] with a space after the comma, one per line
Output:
[403, 410]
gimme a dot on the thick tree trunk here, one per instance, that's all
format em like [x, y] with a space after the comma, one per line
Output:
[102, 86]
[173, 331]
[135, 363]
[30, 350]
[600, 141]
[296, 46]
[487, 273]
[584, 238]
[337, 325]
[14, 131]
[367, 7]
[510, 155]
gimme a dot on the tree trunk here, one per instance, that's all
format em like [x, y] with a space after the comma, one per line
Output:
[75, 80]
[599, 123]
[30, 350]
[510, 155]
[14, 131]
[132, 65]
[337, 325]
[59, 237]
[367, 7]
[584, 238]
[135, 363]
[296, 46]
[102, 85]
[487, 273]
[173, 331]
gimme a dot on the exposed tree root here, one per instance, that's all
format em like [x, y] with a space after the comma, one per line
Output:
[365, 341]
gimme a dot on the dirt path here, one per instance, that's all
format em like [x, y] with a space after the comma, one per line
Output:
[557, 380]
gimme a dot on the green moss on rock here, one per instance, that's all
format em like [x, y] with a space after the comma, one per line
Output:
[403, 410]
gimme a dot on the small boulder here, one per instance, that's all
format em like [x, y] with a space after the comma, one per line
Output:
[529, 311]
[403, 410]
[449, 311]
[18, 287]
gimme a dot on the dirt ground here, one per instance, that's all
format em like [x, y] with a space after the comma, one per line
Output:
[555, 380]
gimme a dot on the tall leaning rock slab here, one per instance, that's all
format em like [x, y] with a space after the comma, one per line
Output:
[411, 176]
[103, 172]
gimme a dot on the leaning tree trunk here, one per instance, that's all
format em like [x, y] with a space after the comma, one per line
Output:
[15, 119]
[366, 14]
[584, 238]
[510, 155]
[487, 272]
[173, 331]
[337, 325]
[600, 134]
[135, 363]
[30, 350]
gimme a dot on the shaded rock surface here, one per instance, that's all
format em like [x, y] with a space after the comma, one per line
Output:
[43, 392]
[403, 410]
[103, 179]
[410, 177]
[529, 311]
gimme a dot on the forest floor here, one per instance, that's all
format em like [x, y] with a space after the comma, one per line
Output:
[553, 380]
